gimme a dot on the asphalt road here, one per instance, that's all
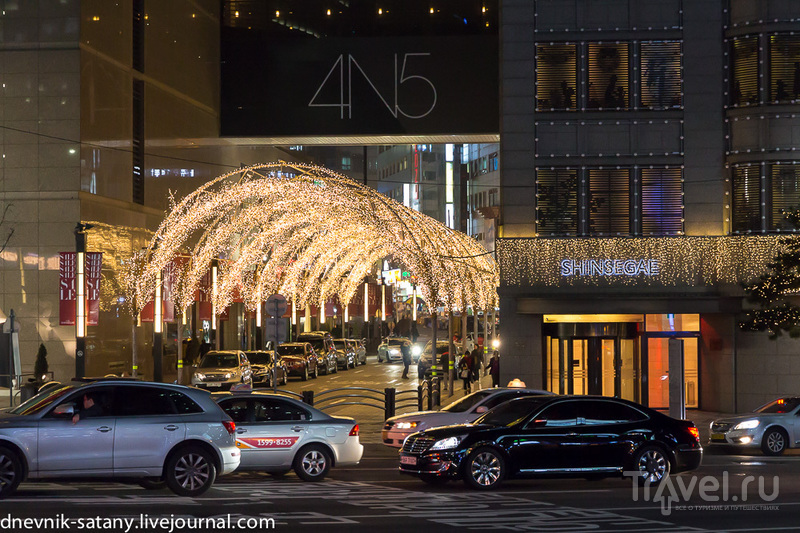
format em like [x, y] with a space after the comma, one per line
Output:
[727, 493]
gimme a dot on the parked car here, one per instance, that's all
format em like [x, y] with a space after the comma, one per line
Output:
[773, 427]
[424, 362]
[276, 434]
[345, 353]
[590, 436]
[461, 411]
[222, 370]
[262, 363]
[155, 433]
[299, 358]
[391, 349]
[361, 351]
[322, 342]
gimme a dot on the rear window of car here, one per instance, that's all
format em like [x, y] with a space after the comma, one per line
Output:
[467, 402]
[219, 360]
[290, 350]
[781, 405]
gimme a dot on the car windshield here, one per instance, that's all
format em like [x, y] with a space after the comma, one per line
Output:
[291, 350]
[219, 360]
[781, 405]
[511, 413]
[467, 402]
[340, 345]
[259, 358]
[41, 401]
[318, 344]
[395, 342]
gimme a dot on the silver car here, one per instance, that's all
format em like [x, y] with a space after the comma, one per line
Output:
[276, 434]
[345, 353]
[222, 370]
[773, 427]
[361, 351]
[156, 433]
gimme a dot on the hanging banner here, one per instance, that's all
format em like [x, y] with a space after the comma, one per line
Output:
[203, 298]
[168, 275]
[67, 289]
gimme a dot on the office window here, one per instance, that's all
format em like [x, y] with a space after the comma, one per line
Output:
[556, 76]
[609, 202]
[556, 202]
[662, 202]
[608, 76]
[784, 68]
[744, 69]
[746, 213]
[785, 188]
[661, 74]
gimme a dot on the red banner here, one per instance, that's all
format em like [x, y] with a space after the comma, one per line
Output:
[67, 289]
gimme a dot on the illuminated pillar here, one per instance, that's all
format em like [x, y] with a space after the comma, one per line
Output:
[366, 302]
[307, 325]
[80, 314]
[158, 340]
[414, 303]
[214, 304]
[383, 302]
[321, 314]
[258, 324]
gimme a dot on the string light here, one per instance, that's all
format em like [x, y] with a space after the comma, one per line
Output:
[306, 231]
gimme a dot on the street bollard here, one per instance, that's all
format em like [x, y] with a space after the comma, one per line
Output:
[390, 397]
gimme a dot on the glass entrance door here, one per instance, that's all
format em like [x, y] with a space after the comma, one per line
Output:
[658, 372]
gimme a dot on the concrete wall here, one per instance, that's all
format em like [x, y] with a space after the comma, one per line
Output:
[765, 369]
[521, 353]
[717, 338]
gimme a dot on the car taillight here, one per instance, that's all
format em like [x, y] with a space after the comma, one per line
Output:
[354, 431]
[230, 425]
[694, 432]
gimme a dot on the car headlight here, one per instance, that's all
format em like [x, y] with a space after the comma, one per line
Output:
[747, 424]
[446, 444]
[406, 425]
[394, 351]
[199, 376]
[416, 350]
[228, 375]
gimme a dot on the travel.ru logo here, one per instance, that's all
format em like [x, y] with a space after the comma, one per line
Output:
[681, 489]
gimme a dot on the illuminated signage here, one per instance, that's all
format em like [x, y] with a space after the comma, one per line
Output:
[609, 267]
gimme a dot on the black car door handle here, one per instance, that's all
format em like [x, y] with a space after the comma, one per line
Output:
[171, 427]
[298, 428]
[241, 430]
[104, 429]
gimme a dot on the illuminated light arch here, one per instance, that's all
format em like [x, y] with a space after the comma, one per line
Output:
[310, 234]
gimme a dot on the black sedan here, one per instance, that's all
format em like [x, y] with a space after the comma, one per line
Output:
[548, 436]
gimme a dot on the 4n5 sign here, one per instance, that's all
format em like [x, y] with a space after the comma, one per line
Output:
[405, 82]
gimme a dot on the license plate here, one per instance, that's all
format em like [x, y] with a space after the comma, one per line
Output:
[407, 460]
[213, 384]
[717, 436]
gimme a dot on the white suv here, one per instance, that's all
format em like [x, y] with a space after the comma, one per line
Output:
[155, 433]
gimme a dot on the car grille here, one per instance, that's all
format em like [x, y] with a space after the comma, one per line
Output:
[417, 444]
[720, 427]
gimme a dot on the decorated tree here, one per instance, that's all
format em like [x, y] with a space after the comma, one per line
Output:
[776, 293]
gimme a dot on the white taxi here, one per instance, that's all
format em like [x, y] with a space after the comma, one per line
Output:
[276, 434]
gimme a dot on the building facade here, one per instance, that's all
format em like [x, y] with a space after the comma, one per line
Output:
[647, 149]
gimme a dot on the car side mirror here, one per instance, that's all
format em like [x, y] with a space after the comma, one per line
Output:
[65, 410]
[481, 409]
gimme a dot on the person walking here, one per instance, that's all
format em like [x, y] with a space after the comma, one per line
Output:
[406, 351]
[465, 370]
[477, 365]
[494, 368]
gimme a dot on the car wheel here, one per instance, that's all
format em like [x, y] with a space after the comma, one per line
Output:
[10, 472]
[315, 375]
[484, 469]
[433, 479]
[774, 441]
[190, 471]
[304, 377]
[652, 465]
[312, 463]
[152, 483]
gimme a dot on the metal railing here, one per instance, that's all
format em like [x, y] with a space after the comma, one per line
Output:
[389, 400]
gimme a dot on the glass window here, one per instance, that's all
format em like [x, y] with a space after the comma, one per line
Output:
[467, 402]
[609, 202]
[143, 401]
[672, 322]
[785, 182]
[608, 76]
[556, 201]
[784, 68]
[661, 74]
[781, 405]
[184, 404]
[236, 409]
[744, 66]
[560, 415]
[592, 413]
[662, 201]
[556, 77]
[277, 411]
[511, 413]
[746, 208]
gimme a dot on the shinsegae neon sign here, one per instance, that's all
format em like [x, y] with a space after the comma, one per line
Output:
[609, 267]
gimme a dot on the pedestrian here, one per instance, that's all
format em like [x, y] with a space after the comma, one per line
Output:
[465, 370]
[494, 368]
[405, 349]
[477, 363]
[414, 331]
[444, 362]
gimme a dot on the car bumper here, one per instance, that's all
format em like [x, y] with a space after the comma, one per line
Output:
[215, 385]
[350, 452]
[443, 464]
[395, 438]
[688, 458]
[231, 456]
[742, 438]
[296, 371]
